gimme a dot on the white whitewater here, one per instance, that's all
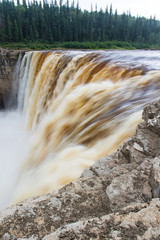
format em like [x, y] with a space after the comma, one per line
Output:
[13, 147]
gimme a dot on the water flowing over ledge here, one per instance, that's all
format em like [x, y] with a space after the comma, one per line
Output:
[79, 107]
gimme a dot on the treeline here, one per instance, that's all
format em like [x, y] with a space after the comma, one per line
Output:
[65, 22]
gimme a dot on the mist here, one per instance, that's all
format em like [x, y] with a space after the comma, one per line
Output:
[13, 146]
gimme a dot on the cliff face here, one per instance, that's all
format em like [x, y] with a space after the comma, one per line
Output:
[117, 198]
[8, 59]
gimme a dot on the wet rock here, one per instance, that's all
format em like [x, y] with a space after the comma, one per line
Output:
[8, 59]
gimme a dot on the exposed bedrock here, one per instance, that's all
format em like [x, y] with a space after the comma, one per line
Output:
[8, 59]
[116, 198]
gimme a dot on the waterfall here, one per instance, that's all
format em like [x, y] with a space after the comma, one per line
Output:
[23, 76]
[78, 107]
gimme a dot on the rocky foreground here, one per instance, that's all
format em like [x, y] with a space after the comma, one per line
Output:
[117, 198]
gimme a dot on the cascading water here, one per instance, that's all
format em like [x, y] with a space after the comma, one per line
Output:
[79, 107]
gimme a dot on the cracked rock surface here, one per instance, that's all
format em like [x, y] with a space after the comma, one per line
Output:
[116, 198]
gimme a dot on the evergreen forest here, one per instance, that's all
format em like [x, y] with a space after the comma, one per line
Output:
[64, 22]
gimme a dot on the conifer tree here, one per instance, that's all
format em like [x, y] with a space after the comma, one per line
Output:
[64, 21]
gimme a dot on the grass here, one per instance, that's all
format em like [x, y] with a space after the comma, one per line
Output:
[78, 45]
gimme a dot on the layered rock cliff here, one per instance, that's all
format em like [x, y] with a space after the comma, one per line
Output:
[8, 59]
[117, 198]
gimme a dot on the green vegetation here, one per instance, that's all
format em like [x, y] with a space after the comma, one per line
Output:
[39, 25]
[79, 45]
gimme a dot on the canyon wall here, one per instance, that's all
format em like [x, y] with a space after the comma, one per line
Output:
[8, 59]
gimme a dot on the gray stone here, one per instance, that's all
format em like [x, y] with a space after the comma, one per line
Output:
[39, 216]
[155, 178]
[137, 221]
[130, 187]
[151, 115]
[8, 59]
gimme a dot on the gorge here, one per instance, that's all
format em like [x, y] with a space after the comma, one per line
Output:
[78, 107]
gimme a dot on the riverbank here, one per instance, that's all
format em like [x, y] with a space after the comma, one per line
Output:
[79, 45]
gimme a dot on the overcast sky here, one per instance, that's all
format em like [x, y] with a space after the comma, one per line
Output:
[141, 7]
